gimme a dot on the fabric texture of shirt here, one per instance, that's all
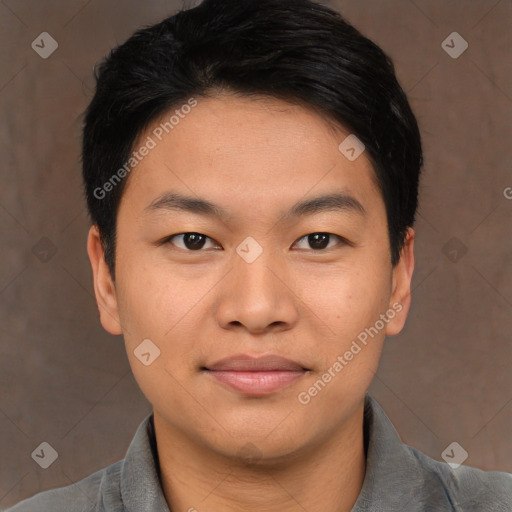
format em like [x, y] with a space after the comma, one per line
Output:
[398, 478]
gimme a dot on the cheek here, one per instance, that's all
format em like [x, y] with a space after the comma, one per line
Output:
[155, 306]
[139, 296]
[349, 307]
[162, 303]
[346, 299]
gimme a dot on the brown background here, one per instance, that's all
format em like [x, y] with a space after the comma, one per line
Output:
[64, 380]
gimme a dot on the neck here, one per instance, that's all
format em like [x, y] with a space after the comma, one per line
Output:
[324, 476]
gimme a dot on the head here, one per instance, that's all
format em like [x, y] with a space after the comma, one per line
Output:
[251, 171]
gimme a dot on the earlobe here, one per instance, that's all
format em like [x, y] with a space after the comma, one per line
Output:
[104, 287]
[400, 301]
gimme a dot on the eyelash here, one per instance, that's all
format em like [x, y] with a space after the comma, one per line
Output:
[342, 241]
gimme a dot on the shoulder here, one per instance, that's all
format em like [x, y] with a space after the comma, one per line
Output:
[468, 488]
[82, 496]
[401, 477]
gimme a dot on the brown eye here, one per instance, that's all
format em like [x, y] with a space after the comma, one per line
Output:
[189, 241]
[319, 241]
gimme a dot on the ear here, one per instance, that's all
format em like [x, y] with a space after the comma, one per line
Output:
[104, 287]
[400, 301]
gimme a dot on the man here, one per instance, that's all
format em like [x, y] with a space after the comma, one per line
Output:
[251, 171]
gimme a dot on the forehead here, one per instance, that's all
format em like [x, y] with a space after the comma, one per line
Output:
[248, 149]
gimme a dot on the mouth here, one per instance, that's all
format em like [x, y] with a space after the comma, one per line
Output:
[255, 376]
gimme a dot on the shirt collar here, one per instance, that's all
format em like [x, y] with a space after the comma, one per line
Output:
[393, 478]
[141, 487]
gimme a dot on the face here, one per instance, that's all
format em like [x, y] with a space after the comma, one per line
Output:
[269, 270]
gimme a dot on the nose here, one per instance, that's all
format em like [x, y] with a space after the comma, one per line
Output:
[257, 296]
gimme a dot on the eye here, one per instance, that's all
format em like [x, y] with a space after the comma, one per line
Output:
[319, 241]
[189, 241]
[192, 241]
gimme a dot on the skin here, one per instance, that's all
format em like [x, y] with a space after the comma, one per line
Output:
[254, 157]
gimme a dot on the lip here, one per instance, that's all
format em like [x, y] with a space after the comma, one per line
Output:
[256, 376]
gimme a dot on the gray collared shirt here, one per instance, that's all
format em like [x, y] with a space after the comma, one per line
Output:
[398, 478]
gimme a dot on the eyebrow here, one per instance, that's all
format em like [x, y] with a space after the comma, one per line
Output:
[171, 201]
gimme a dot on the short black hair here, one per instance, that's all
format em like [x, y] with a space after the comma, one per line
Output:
[295, 50]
